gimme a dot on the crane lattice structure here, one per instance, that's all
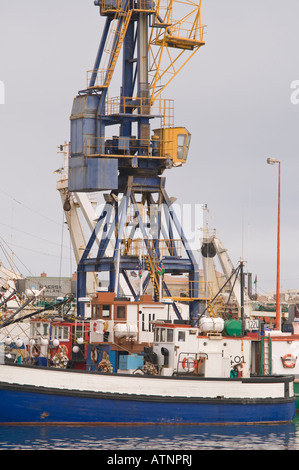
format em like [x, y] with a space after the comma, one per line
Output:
[138, 220]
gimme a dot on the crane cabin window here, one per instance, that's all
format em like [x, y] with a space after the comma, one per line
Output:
[183, 141]
[181, 145]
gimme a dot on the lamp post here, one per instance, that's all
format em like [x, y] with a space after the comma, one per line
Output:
[272, 161]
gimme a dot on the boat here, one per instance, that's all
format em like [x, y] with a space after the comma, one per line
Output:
[35, 395]
[189, 375]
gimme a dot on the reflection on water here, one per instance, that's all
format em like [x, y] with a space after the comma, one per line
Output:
[175, 437]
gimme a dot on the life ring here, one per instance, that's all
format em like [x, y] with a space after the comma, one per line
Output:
[35, 350]
[289, 361]
[240, 370]
[189, 364]
[62, 349]
[94, 355]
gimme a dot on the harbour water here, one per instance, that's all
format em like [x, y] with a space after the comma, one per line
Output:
[176, 438]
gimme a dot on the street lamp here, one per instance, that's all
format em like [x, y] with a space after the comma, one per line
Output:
[272, 161]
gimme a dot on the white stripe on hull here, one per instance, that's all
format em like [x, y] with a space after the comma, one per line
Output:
[138, 385]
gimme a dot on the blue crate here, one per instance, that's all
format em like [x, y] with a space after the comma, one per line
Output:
[130, 361]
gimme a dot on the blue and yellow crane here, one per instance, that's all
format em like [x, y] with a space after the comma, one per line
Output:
[115, 145]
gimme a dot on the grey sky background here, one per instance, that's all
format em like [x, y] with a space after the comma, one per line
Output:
[234, 97]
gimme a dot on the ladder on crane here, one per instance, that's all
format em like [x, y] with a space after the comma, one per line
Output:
[152, 262]
[103, 77]
[120, 32]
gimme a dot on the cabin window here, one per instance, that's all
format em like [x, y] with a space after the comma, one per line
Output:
[157, 334]
[106, 311]
[181, 336]
[151, 318]
[100, 311]
[61, 332]
[79, 331]
[169, 335]
[96, 312]
[163, 335]
[183, 142]
[120, 312]
[39, 329]
[181, 145]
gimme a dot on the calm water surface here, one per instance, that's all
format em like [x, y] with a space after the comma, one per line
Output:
[171, 438]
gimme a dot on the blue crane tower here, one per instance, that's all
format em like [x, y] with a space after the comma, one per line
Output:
[115, 146]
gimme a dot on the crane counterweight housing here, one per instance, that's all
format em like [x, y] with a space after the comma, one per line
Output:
[85, 172]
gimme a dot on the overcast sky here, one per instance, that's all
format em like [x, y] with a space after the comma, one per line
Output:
[234, 97]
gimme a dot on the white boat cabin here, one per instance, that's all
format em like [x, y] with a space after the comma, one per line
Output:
[123, 324]
[182, 349]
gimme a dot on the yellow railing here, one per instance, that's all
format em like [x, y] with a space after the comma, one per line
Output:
[152, 270]
[100, 76]
[187, 30]
[178, 40]
[111, 6]
[122, 147]
[186, 26]
[162, 108]
[191, 290]
[137, 247]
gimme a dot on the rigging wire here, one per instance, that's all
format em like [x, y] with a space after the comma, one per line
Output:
[8, 258]
[234, 272]
[31, 235]
[28, 208]
[11, 319]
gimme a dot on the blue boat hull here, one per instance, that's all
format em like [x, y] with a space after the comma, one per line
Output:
[24, 405]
